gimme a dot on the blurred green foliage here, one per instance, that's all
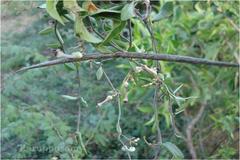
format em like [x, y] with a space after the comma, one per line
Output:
[37, 122]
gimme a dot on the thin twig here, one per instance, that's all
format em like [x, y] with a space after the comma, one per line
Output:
[175, 128]
[134, 55]
[200, 132]
[189, 129]
[109, 81]
[155, 107]
[154, 45]
[118, 126]
[79, 110]
[148, 9]
[79, 100]
[145, 20]
[159, 137]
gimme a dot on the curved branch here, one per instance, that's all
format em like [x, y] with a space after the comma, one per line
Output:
[189, 129]
[133, 55]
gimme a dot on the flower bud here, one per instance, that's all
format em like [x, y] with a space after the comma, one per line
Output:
[138, 69]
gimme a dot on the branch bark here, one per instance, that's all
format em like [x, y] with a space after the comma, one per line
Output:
[133, 55]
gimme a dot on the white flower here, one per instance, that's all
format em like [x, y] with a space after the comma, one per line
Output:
[131, 149]
[54, 158]
[126, 149]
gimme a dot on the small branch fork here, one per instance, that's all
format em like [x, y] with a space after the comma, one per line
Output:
[118, 126]
[133, 55]
[189, 129]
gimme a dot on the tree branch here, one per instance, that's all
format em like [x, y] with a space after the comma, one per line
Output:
[134, 55]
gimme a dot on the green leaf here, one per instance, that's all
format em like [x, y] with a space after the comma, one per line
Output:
[165, 11]
[121, 44]
[180, 109]
[101, 139]
[103, 49]
[99, 73]
[69, 97]
[177, 13]
[59, 36]
[53, 45]
[139, 29]
[198, 7]
[52, 10]
[211, 50]
[205, 24]
[46, 31]
[69, 67]
[150, 121]
[83, 33]
[106, 13]
[177, 153]
[145, 109]
[114, 32]
[128, 11]
[154, 126]
[84, 102]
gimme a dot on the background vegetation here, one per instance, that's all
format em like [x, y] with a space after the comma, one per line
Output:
[39, 122]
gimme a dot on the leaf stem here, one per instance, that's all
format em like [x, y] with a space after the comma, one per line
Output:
[57, 34]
